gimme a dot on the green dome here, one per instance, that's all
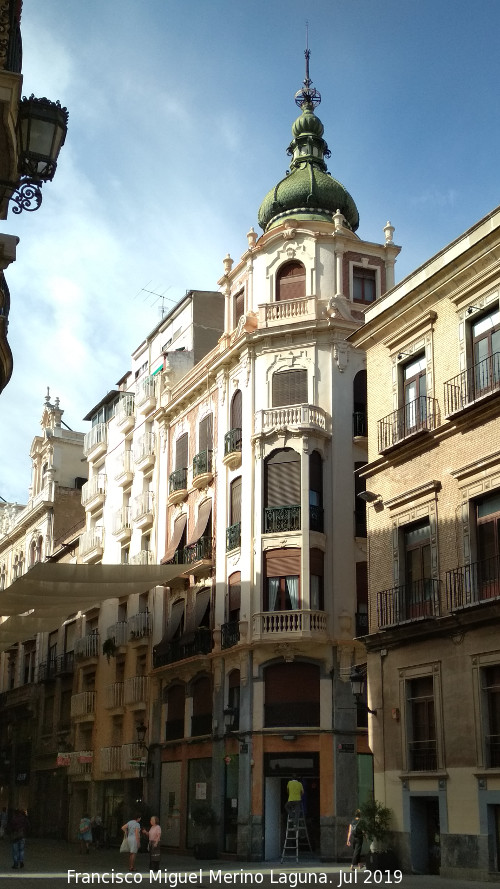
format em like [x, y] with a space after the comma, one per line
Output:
[308, 191]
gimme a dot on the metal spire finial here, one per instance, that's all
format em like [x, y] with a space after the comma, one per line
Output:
[307, 96]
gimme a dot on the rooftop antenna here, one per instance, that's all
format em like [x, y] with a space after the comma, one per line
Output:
[308, 96]
[159, 296]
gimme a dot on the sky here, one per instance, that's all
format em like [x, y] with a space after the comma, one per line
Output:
[180, 113]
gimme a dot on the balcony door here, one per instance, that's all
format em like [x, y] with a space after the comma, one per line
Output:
[488, 546]
[291, 282]
[415, 390]
[486, 346]
[418, 582]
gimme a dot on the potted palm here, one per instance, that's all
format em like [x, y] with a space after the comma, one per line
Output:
[376, 821]
[204, 819]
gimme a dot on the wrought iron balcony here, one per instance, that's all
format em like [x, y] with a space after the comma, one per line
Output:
[88, 646]
[423, 756]
[199, 642]
[474, 583]
[177, 481]
[359, 424]
[232, 441]
[233, 537]
[281, 518]
[64, 664]
[416, 417]
[202, 463]
[230, 634]
[200, 551]
[409, 602]
[472, 384]
[118, 632]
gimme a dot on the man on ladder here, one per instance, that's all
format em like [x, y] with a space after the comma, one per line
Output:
[295, 825]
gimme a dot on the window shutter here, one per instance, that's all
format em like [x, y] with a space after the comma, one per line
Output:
[235, 515]
[206, 433]
[287, 683]
[316, 475]
[289, 387]
[291, 282]
[283, 479]
[235, 591]
[181, 452]
[316, 562]
[282, 562]
[239, 306]
[236, 410]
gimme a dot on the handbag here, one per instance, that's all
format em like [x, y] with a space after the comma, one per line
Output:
[124, 846]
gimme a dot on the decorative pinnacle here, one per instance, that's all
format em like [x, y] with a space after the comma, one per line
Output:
[308, 96]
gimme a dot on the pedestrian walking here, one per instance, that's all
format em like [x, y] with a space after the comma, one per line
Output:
[18, 830]
[355, 837]
[97, 828]
[132, 830]
[85, 834]
[154, 838]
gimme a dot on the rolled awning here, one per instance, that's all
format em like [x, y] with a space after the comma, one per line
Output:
[174, 621]
[202, 600]
[204, 513]
[175, 539]
[51, 591]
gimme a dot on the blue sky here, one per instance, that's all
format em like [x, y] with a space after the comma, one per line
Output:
[179, 119]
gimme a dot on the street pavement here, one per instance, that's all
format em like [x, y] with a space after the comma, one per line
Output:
[54, 863]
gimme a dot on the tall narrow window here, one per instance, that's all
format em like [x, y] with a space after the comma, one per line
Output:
[282, 491]
[181, 451]
[359, 404]
[488, 546]
[486, 347]
[236, 410]
[364, 285]
[422, 741]
[289, 387]
[282, 580]
[291, 694]
[201, 720]
[235, 505]
[315, 492]
[205, 434]
[491, 690]
[291, 281]
[418, 599]
[316, 594]
[415, 391]
[239, 306]
[359, 503]
[174, 728]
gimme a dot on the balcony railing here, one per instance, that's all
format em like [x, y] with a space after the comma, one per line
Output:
[80, 763]
[408, 602]
[180, 649]
[474, 583]
[124, 465]
[135, 690]
[202, 463]
[142, 505]
[91, 540]
[113, 695]
[177, 481]
[140, 625]
[415, 417]
[281, 518]
[423, 756]
[131, 753]
[145, 447]
[287, 311]
[198, 552]
[232, 441]
[64, 664]
[233, 536]
[143, 557]
[308, 417]
[83, 704]
[121, 520]
[359, 424]
[98, 435]
[230, 634]
[87, 646]
[111, 759]
[118, 632]
[94, 489]
[472, 384]
[146, 390]
[289, 623]
[125, 408]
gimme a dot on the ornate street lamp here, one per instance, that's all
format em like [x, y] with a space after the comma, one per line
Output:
[41, 130]
[358, 680]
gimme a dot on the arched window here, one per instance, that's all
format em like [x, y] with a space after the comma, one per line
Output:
[175, 697]
[236, 410]
[33, 558]
[291, 694]
[291, 281]
[39, 549]
[201, 721]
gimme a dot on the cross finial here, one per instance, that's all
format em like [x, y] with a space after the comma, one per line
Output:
[307, 96]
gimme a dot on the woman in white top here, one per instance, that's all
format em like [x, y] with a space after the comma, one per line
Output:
[132, 830]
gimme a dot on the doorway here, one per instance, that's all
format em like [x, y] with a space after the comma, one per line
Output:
[425, 835]
[279, 768]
